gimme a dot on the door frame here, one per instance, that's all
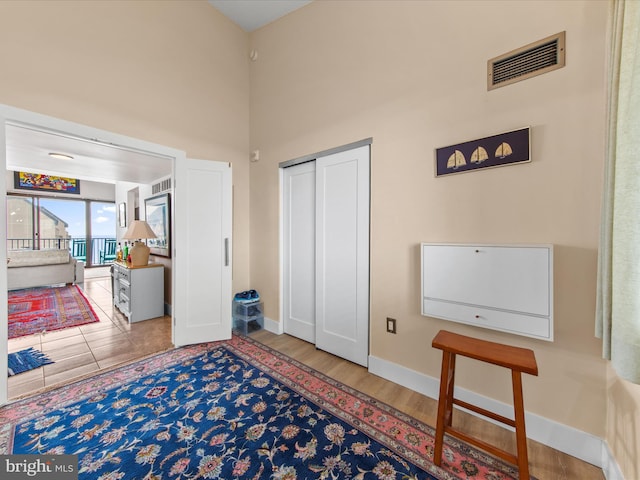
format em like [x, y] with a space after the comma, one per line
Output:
[290, 163]
[10, 114]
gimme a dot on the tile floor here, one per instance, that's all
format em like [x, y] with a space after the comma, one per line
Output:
[86, 349]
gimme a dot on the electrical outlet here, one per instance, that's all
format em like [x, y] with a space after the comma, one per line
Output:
[391, 325]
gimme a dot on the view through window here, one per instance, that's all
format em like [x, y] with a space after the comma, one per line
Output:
[86, 228]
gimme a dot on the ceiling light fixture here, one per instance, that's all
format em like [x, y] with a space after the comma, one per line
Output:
[61, 156]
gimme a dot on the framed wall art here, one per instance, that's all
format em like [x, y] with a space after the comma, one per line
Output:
[494, 151]
[45, 183]
[158, 215]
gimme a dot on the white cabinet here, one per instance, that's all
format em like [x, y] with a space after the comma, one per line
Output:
[501, 287]
[138, 292]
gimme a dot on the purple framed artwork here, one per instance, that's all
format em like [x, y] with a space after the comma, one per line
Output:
[494, 151]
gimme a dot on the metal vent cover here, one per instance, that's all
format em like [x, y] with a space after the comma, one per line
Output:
[534, 59]
[161, 186]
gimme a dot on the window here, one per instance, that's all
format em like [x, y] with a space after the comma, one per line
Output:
[43, 223]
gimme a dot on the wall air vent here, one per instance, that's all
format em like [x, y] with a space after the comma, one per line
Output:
[534, 59]
[161, 186]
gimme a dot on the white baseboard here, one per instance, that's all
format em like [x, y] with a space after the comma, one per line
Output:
[610, 467]
[564, 438]
[273, 326]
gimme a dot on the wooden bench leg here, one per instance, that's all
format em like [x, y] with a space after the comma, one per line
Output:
[451, 380]
[445, 403]
[521, 434]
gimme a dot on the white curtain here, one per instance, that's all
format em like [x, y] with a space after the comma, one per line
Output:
[618, 295]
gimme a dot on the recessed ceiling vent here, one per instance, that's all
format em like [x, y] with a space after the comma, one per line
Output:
[534, 59]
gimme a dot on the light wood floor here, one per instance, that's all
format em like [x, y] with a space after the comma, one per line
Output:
[83, 350]
[546, 463]
[86, 349]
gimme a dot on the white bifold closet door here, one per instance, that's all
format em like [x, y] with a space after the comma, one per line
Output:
[326, 253]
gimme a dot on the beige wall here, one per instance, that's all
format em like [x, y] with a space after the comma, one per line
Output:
[172, 73]
[412, 75]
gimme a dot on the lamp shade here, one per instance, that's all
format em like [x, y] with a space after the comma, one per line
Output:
[139, 253]
[137, 230]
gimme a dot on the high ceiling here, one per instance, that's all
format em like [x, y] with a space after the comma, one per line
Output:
[28, 149]
[253, 14]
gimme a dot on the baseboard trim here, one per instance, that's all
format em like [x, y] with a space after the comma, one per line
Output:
[273, 326]
[564, 438]
[610, 467]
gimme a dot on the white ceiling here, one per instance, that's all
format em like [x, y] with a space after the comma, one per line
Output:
[253, 14]
[28, 150]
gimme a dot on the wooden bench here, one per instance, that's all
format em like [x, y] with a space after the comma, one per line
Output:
[516, 359]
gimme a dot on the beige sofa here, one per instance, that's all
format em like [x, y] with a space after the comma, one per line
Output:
[36, 268]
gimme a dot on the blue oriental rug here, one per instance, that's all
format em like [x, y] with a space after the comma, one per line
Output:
[230, 410]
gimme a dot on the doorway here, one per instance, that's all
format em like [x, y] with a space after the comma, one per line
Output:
[125, 159]
[27, 138]
[325, 245]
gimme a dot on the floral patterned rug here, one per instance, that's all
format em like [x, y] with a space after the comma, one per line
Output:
[40, 309]
[231, 410]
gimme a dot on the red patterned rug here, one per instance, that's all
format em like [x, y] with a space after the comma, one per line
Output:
[234, 409]
[42, 309]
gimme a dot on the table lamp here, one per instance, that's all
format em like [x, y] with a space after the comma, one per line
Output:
[138, 230]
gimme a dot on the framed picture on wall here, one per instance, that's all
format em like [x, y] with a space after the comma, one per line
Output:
[158, 215]
[499, 150]
[45, 183]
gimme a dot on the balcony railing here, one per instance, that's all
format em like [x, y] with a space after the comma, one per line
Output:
[45, 243]
[98, 245]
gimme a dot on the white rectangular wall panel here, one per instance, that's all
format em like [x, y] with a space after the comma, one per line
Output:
[501, 287]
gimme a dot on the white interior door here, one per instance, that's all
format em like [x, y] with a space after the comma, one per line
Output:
[299, 247]
[202, 251]
[342, 254]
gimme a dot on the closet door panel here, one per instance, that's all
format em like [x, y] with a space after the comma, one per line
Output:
[342, 254]
[299, 251]
[337, 255]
